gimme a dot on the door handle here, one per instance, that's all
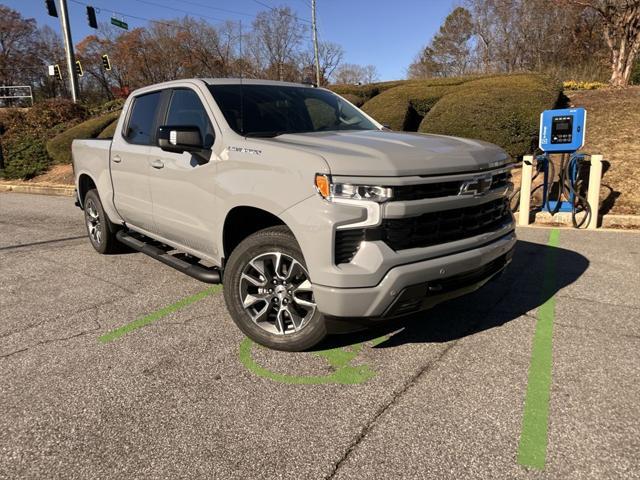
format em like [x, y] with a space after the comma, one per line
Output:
[116, 158]
[157, 164]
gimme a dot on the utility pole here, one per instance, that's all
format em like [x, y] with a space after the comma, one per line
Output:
[314, 27]
[68, 47]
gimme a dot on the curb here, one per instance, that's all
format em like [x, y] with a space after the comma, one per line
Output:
[606, 221]
[58, 190]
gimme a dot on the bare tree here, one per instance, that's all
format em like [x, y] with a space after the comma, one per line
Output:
[329, 55]
[350, 73]
[621, 20]
[19, 61]
[278, 34]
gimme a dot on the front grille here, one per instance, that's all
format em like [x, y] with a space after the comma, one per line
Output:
[426, 190]
[441, 227]
[347, 244]
[500, 180]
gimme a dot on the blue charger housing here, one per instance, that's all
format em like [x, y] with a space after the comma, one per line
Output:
[562, 130]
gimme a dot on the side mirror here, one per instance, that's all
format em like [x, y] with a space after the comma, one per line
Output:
[179, 139]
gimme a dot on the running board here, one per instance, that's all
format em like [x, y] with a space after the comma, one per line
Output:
[195, 270]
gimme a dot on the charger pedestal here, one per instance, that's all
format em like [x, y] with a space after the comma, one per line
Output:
[593, 193]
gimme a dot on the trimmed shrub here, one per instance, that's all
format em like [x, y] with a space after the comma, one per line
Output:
[110, 106]
[44, 115]
[59, 147]
[11, 119]
[355, 99]
[577, 85]
[403, 107]
[504, 110]
[25, 156]
[109, 130]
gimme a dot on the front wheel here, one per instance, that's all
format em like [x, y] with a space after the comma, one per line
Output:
[269, 294]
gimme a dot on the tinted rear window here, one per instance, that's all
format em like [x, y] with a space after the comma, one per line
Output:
[142, 119]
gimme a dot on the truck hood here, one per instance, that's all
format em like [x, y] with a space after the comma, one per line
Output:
[386, 153]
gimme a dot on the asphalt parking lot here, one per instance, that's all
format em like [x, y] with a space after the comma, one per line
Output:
[118, 366]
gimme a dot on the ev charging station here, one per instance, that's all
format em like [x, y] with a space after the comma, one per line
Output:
[562, 132]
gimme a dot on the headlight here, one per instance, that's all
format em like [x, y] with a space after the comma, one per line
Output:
[330, 190]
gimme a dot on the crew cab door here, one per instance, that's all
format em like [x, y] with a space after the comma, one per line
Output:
[182, 184]
[130, 162]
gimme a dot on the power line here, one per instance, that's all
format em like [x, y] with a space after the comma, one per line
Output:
[128, 15]
[202, 5]
[287, 14]
[153, 4]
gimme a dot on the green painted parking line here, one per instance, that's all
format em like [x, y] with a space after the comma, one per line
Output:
[340, 360]
[532, 451]
[158, 314]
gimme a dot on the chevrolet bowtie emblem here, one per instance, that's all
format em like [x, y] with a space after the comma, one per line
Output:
[476, 186]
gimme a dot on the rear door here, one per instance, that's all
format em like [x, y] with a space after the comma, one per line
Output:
[182, 184]
[130, 167]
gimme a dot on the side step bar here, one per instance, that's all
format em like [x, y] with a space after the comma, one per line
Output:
[195, 270]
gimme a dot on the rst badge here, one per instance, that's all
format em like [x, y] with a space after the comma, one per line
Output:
[476, 186]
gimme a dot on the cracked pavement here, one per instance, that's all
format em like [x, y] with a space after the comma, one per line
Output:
[173, 399]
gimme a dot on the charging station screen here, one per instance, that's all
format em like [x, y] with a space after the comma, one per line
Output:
[562, 129]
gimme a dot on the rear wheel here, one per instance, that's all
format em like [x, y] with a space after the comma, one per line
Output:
[100, 230]
[269, 293]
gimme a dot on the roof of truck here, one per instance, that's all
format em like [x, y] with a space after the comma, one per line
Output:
[251, 81]
[216, 81]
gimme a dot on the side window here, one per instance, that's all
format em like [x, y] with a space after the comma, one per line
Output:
[142, 119]
[186, 109]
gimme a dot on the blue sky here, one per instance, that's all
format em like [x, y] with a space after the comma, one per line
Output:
[383, 33]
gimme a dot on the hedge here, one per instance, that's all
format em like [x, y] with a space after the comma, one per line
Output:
[59, 147]
[403, 107]
[504, 110]
[25, 156]
[109, 130]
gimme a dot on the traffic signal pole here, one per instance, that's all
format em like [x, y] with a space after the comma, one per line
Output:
[68, 47]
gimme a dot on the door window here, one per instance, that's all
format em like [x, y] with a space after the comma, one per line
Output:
[186, 109]
[142, 120]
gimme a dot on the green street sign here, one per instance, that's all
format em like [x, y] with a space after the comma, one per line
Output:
[119, 23]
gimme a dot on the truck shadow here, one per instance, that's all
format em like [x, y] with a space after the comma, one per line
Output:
[519, 290]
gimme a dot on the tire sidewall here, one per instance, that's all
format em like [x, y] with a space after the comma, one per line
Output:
[109, 244]
[272, 239]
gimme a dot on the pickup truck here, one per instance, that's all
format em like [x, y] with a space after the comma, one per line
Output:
[311, 213]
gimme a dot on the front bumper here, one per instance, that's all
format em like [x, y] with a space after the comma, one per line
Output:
[416, 286]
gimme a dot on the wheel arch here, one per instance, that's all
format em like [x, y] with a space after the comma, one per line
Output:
[85, 183]
[243, 221]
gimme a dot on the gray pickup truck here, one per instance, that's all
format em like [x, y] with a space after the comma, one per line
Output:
[309, 211]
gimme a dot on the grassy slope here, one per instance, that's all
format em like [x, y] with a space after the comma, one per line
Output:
[613, 130]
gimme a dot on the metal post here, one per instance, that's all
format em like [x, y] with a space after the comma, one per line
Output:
[315, 40]
[68, 47]
[593, 195]
[525, 190]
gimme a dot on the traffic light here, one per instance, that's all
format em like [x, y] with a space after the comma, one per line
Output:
[91, 17]
[54, 71]
[51, 8]
[79, 71]
[106, 64]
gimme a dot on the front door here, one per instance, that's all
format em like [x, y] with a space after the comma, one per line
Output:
[182, 183]
[130, 162]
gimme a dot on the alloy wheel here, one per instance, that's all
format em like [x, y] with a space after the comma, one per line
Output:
[276, 293]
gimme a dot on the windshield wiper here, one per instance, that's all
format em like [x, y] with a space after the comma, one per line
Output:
[265, 134]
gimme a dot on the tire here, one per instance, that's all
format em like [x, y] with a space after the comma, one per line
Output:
[100, 230]
[269, 294]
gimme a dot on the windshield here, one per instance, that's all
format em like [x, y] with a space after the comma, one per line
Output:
[271, 110]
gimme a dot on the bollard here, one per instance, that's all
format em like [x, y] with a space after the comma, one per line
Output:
[525, 190]
[593, 194]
